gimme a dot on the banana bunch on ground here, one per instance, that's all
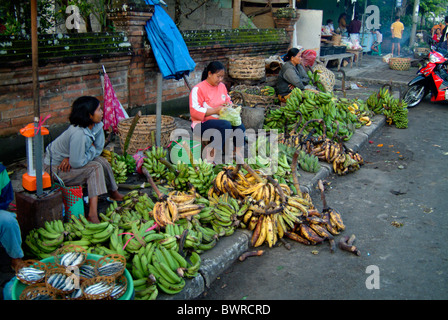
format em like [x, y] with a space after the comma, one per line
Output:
[308, 162]
[43, 241]
[129, 160]
[119, 168]
[178, 178]
[176, 205]
[316, 227]
[201, 176]
[347, 162]
[154, 164]
[95, 233]
[224, 214]
[231, 180]
[378, 100]
[342, 159]
[362, 111]
[304, 105]
[397, 113]
[274, 119]
[267, 91]
[395, 110]
[156, 267]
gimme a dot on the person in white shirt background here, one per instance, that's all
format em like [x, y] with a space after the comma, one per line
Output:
[378, 40]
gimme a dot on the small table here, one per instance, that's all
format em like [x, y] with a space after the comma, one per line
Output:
[358, 55]
[339, 57]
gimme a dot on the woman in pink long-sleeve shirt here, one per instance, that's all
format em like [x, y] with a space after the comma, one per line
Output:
[207, 98]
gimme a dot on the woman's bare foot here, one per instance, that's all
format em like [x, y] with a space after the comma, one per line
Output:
[115, 195]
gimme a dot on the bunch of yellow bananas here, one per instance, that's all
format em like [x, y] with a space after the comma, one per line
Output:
[176, 205]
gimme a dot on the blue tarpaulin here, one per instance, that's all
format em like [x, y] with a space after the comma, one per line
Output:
[167, 44]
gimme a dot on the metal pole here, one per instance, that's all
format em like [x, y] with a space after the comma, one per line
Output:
[159, 109]
[38, 143]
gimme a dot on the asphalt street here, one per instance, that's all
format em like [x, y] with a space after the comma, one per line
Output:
[395, 205]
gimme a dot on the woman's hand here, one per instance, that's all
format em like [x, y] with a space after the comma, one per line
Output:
[211, 111]
[64, 166]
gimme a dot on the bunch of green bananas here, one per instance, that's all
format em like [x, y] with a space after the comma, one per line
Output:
[152, 162]
[275, 119]
[395, 110]
[224, 213]
[169, 269]
[129, 160]
[268, 91]
[96, 233]
[315, 79]
[302, 106]
[397, 113]
[308, 162]
[178, 179]
[378, 100]
[119, 168]
[43, 241]
[201, 176]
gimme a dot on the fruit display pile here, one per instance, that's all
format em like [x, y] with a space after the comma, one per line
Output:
[162, 235]
[304, 105]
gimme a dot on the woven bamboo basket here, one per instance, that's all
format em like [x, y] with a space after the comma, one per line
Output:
[251, 68]
[35, 290]
[336, 39]
[110, 258]
[242, 94]
[400, 64]
[144, 134]
[326, 77]
[34, 264]
[98, 296]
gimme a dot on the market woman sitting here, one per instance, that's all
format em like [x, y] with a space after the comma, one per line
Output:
[207, 99]
[75, 155]
[293, 73]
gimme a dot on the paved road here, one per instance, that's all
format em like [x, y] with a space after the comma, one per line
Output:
[404, 182]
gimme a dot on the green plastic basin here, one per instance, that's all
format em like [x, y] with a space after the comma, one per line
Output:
[18, 286]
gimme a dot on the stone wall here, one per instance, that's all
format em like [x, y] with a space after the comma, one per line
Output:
[132, 73]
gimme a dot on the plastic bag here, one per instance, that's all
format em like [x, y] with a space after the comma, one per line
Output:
[233, 115]
[71, 198]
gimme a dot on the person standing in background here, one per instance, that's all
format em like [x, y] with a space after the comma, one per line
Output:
[396, 30]
[342, 23]
[355, 26]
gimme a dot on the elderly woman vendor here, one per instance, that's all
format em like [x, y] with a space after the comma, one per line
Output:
[75, 154]
[292, 75]
[207, 99]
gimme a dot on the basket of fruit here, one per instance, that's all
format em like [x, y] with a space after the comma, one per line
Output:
[249, 96]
